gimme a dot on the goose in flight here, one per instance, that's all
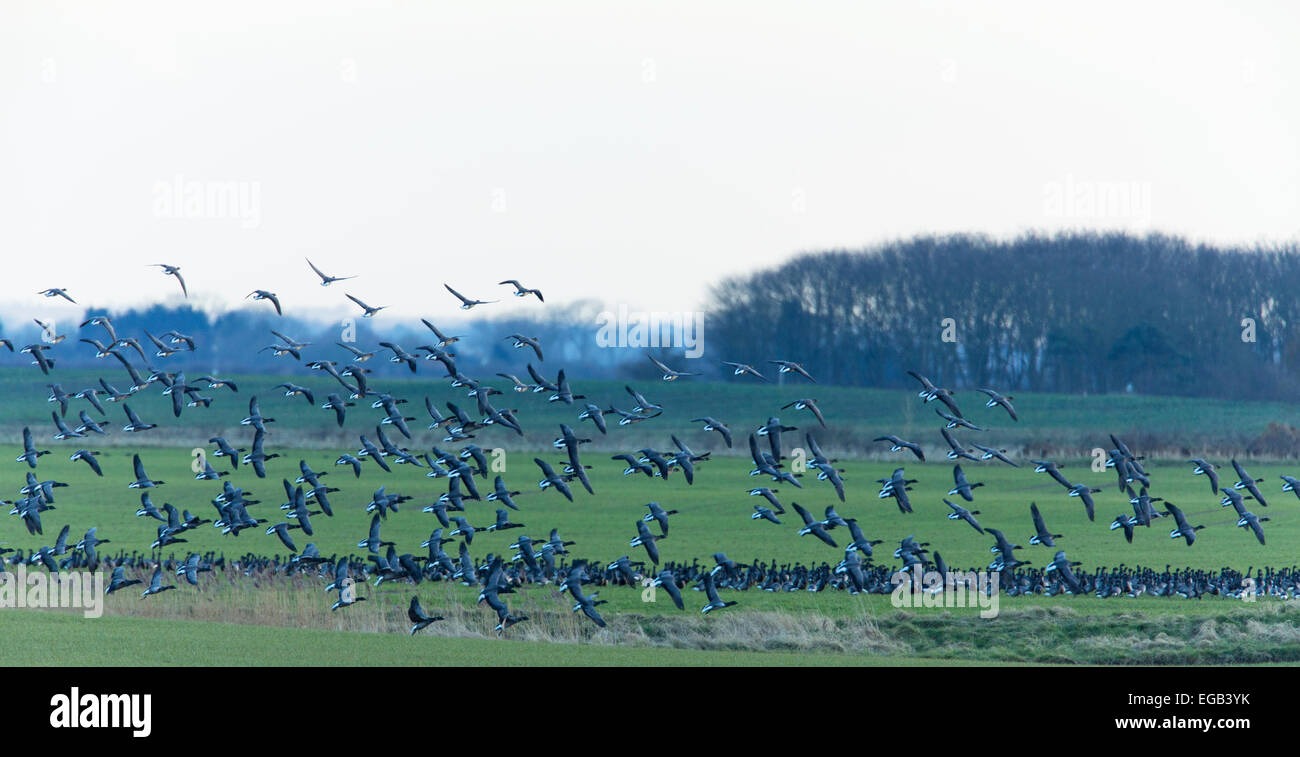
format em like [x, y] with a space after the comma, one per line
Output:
[419, 618]
[711, 591]
[929, 392]
[897, 444]
[62, 430]
[810, 405]
[325, 279]
[956, 451]
[465, 302]
[1085, 492]
[119, 580]
[668, 373]
[741, 369]
[1252, 521]
[1042, 535]
[262, 294]
[788, 367]
[155, 583]
[711, 424]
[443, 339]
[172, 270]
[369, 312]
[89, 457]
[961, 486]
[142, 480]
[1247, 482]
[996, 399]
[954, 421]
[520, 290]
[812, 526]
[1184, 530]
[1206, 469]
[961, 513]
[644, 538]
[30, 453]
[522, 341]
[133, 421]
[989, 454]
[1290, 484]
[56, 292]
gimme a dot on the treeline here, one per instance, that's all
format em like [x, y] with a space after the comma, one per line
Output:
[1071, 313]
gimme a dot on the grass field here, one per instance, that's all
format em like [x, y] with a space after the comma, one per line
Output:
[713, 516]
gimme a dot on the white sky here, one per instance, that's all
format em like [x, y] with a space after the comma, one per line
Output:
[635, 152]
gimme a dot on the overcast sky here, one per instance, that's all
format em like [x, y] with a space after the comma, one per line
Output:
[635, 152]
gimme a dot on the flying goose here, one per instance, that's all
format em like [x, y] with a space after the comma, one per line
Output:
[956, 451]
[326, 280]
[961, 487]
[419, 618]
[1247, 482]
[89, 457]
[1206, 469]
[465, 302]
[520, 290]
[812, 526]
[527, 341]
[989, 454]
[646, 539]
[954, 421]
[668, 373]
[741, 369]
[810, 405]
[961, 513]
[1252, 521]
[133, 421]
[62, 430]
[897, 444]
[30, 453]
[711, 591]
[142, 480]
[369, 312]
[789, 367]
[996, 399]
[56, 292]
[710, 424]
[172, 270]
[1184, 530]
[262, 294]
[1042, 535]
[930, 392]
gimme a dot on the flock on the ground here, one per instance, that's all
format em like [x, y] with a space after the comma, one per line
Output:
[548, 560]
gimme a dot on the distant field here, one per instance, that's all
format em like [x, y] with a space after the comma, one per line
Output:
[1050, 424]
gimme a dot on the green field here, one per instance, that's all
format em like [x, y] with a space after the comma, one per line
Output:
[713, 516]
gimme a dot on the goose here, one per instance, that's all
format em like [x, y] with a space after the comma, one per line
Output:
[443, 339]
[634, 465]
[262, 294]
[89, 457]
[419, 618]
[930, 392]
[56, 292]
[1125, 522]
[788, 367]
[658, 515]
[667, 581]
[668, 373]
[357, 355]
[1085, 492]
[37, 351]
[953, 421]
[520, 290]
[91, 395]
[258, 456]
[1206, 469]
[101, 351]
[594, 414]
[999, 454]
[368, 311]
[134, 424]
[961, 513]
[338, 405]
[552, 480]
[156, 584]
[294, 390]
[255, 418]
[87, 424]
[225, 450]
[1247, 482]
[172, 270]
[897, 444]
[996, 399]
[812, 526]
[772, 430]
[142, 480]
[161, 349]
[810, 405]
[956, 451]
[119, 580]
[176, 337]
[63, 432]
[1063, 568]
[282, 530]
[326, 280]
[961, 487]
[711, 424]
[769, 495]
[501, 493]
[1184, 530]
[219, 383]
[1290, 485]
[30, 453]
[1053, 470]
[741, 369]
[562, 391]
[764, 513]
[642, 405]
[517, 385]
[1253, 521]
[646, 539]
[465, 302]
[1042, 535]
[104, 322]
[527, 341]
[58, 395]
[711, 591]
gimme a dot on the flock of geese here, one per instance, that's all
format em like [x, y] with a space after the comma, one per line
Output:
[533, 560]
